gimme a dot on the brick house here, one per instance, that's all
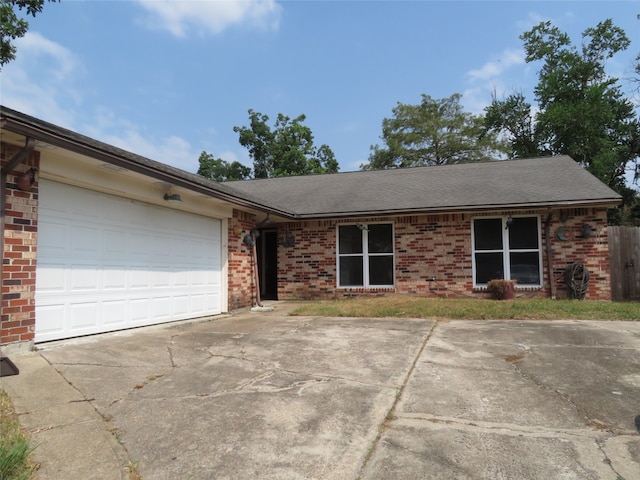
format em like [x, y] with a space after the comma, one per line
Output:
[436, 231]
[98, 239]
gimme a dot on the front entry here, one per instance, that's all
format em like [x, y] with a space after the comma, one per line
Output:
[267, 252]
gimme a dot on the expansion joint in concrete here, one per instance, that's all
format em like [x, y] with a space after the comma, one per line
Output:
[391, 414]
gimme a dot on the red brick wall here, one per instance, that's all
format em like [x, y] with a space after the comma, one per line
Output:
[437, 246]
[307, 270]
[593, 251]
[240, 267]
[17, 318]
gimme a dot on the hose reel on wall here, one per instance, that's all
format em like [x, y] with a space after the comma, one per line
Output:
[577, 278]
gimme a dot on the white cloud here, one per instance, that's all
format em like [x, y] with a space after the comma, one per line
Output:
[108, 127]
[41, 79]
[180, 17]
[504, 74]
[44, 81]
[498, 66]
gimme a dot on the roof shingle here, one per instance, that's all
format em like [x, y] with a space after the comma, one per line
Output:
[546, 181]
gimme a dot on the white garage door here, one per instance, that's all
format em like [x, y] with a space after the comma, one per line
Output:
[107, 263]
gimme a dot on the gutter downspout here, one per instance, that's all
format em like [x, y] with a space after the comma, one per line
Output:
[255, 269]
[29, 145]
[547, 234]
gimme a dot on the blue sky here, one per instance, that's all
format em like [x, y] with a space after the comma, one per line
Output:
[170, 79]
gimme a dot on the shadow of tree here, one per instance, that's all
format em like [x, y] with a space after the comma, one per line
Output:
[638, 423]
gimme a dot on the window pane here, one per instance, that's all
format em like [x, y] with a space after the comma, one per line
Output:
[350, 240]
[523, 233]
[380, 238]
[381, 270]
[351, 272]
[488, 267]
[525, 268]
[488, 234]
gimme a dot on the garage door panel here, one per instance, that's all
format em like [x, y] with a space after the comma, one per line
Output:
[115, 278]
[161, 308]
[83, 316]
[50, 320]
[139, 310]
[114, 245]
[57, 244]
[128, 264]
[114, 313]
[182, 306]
[83, 278]
[85, 241]
[51, 278]
[139, 277]
[161, 278]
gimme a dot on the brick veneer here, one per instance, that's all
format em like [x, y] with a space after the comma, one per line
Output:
[240, 270]
[17, 318]
[438, 246]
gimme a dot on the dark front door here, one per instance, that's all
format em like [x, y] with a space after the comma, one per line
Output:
[268, 264]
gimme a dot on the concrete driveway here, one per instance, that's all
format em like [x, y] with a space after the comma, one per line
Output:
[269, 396]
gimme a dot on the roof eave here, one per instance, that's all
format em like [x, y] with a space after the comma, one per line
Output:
[40, 132]
[606, 202]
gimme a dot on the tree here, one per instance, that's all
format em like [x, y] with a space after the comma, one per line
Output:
[513, 117]
[434, 132]
[581, 110]
[285, 150]
[220, 170]
[12, 27]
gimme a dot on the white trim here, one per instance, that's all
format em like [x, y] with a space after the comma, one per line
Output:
[224, 265]
[365, 255]
[506, 250]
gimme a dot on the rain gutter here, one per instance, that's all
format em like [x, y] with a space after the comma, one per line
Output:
[135, 163]
[547, 234]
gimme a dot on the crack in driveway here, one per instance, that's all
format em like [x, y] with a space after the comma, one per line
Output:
[391, 412]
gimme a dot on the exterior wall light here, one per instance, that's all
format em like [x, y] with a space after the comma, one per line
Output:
[509, 222]
[27, 179]
[172, 198]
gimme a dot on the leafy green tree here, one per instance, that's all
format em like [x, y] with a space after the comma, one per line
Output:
[285, 150]
[434, 132]
[581, 110]
[513, 118]
[13, 27]
[220, 170]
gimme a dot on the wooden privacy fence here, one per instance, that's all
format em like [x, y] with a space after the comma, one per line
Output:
[624, 259]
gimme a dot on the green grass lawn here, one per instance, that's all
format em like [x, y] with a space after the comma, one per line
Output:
[472, 309]
[15, 447]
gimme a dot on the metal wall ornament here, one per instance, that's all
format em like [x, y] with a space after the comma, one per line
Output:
[563, 234]
[287, 241]
[587, 230]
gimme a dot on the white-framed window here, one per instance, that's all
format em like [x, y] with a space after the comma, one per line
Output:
[365, 255]
[507, 247]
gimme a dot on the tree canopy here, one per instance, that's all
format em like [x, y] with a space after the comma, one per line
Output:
[284, 150]
[434, 132]
[581, 110]
[220, 170]
[13, 27]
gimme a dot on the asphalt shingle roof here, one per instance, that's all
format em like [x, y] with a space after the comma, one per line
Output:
[546, 181]
[534, 182]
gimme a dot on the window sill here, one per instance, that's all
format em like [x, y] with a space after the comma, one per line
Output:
[367, 289]
[522, 288]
